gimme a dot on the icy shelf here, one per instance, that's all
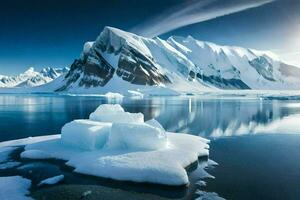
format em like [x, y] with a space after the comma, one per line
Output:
[122, 148]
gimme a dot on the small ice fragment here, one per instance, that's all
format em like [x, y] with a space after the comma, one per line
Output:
[35, 154]
[5, 152]
[9, 165]
[201, 183]
[51, 181]
[208, 195]
[86, 193]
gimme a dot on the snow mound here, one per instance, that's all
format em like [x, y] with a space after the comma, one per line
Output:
[14, 188]
[129, 151]
[115, 114]
[85, 134]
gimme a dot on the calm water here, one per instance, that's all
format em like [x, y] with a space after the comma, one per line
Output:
[255, 142]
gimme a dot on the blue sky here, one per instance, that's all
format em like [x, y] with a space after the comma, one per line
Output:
[52, 33]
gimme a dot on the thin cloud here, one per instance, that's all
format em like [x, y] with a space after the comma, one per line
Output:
[194, 12]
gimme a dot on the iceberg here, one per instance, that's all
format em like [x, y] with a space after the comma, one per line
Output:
[122, 150]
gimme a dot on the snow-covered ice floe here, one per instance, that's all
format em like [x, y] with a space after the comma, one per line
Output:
[119, 145]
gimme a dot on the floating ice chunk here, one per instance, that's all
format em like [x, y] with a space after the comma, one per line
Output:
[52, 180]
[35, 154]
[5, 152]
[14, 188]
[115, 113]
[154, 123]
[136, 136]
[9, 165]
[28, 140]
[208, 195]
[85, 134]
[114, 95]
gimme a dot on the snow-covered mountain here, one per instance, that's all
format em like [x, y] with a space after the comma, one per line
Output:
[122, 62]
[119, 61]
[31, 78]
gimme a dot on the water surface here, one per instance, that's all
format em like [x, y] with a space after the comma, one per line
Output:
[254, 141]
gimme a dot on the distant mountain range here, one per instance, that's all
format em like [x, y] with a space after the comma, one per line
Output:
[123, 62]
[32, 78]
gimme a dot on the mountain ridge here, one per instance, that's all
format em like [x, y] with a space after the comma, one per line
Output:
[125, 63]
[177, 62]
[32, 78]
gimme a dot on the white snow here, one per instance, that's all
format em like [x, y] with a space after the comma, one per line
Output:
[52, 180]
[140, 152]
[14, 188]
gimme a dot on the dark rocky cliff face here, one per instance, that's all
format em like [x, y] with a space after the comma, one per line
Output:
[136, 68]
[92, 70]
